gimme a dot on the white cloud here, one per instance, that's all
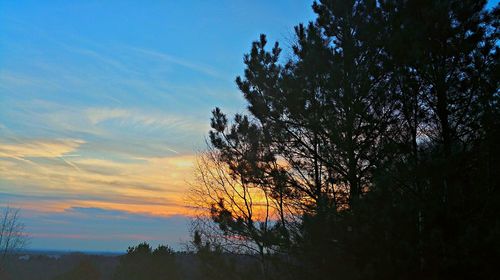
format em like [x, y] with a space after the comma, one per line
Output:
[207, 70]
[137, 117]
[39, 148]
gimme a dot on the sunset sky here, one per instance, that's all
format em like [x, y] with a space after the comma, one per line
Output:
[103, 105]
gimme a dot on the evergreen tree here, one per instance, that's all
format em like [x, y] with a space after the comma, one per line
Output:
[142, 262]
[376, 139]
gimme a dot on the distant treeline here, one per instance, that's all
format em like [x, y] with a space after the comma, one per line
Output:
[140, 262]
[42, 266]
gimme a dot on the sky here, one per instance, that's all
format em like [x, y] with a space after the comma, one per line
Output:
[104, 105]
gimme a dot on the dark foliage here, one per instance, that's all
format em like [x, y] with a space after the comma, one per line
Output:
[142, 262]
[86, 269]
[381, 133]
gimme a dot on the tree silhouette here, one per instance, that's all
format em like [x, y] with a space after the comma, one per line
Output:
[375, 140]
[12, 234]
[234, 216]
[142, 262]
[84, 270]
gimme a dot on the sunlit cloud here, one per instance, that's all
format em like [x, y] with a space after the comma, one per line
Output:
[96, 118]
[150, 185]
[39, 148]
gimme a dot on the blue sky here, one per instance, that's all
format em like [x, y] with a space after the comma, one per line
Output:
[103, 105]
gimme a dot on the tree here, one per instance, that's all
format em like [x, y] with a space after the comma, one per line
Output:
[12, 233]
[374, 140]
[234, 216]
[445, 87]
[317, 123]
[213, 262]
[86, 269]
[142, 262]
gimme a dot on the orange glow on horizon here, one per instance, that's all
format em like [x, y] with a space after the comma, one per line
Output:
[53, 182]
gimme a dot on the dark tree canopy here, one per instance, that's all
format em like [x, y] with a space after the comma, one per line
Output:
[377, 139]
[86, 269]
[142, 262]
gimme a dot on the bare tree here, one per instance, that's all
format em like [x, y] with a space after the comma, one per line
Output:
[12, 233]
[233, 213]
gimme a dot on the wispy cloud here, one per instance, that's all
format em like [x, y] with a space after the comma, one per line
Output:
[39, 148]
[110, 131]
[100, 118]
[152, 185]
[205, 69]
[136, 117]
